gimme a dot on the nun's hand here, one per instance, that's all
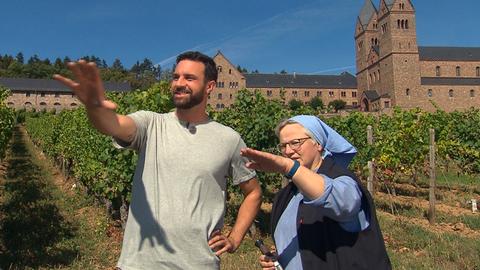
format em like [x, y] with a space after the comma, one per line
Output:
[266, 162]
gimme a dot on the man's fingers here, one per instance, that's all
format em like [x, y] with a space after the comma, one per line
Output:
[108, 104]
[66, 81]
[225, 248]
[74, 67]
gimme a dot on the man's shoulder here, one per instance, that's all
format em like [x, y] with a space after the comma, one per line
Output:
[225, 130]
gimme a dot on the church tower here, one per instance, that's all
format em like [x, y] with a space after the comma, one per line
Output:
[366, 36]
[390, 66]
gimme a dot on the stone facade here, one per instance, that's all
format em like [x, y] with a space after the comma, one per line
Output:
[390, 62]
[298, 87]
[42, 100]
[44, 94]
[230, 80]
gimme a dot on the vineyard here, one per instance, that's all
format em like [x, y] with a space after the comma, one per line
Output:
[6, 121]
[399, 150]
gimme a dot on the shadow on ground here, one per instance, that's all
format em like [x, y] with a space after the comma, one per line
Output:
[33, 232]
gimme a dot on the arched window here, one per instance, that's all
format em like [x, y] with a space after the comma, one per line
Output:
[402, 23]
[472, 93]
[398, 24]
[219, 69]
[219, 96]
[43, 104]
[457, 70]
[73, 105]
[437, 71]
[478, 71]
[230, 71]
[10, 104]
[429, 93]
[27, 106]
[450, 93]
[406, 24]
[407, 92]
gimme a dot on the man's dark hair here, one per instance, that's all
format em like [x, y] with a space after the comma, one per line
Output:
[211, 73]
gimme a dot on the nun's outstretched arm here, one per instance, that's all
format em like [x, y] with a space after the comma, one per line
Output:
[312, 185]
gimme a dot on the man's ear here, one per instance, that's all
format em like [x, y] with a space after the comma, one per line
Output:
[210, 86]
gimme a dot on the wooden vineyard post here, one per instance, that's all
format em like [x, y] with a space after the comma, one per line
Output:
[371, 172]
[431, 211]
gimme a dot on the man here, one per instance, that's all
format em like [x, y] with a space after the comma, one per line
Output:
[178, 196]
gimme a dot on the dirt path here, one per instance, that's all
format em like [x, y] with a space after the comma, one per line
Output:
[44, 222]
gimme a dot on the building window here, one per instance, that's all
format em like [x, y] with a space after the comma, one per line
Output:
[354, 104]
[73, 95]
[217, 106]
[219, 96]
[387, 104]
[236, 84]
[57, 94]
[42, 94]
[294, 93]
[219, 69]
[472, 93]
[330, 93]
[230, 71]
[73, 104]
[343, 94]
[208, 95]
[478, 71]
[231, 96]
[27, 94]
[306, 93]
[319, 93]
[429, 93]
[407, 92]
[222, 84]
[450, 93]
[437, 71]
[269, 93]
[354, 94]
[457, 70]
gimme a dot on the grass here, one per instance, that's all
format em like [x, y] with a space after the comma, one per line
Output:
[412, 247]
[44, 227]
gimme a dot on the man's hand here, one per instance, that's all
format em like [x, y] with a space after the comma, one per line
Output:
[88, 86]
[221, 244]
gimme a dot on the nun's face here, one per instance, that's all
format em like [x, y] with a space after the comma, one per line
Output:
[297, 145]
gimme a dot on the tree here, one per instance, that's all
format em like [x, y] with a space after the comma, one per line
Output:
[283, 71]
[337, 104]
[241, 69]
[117, 65]
[295, 104]
[316, 103]
[20, 58]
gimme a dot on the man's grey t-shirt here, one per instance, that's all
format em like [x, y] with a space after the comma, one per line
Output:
[178, 195]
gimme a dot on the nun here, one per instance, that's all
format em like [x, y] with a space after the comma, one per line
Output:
[324, 218]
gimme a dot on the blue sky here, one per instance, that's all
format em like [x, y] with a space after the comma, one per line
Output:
[310, 37]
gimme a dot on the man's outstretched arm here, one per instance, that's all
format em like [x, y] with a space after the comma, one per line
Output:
[88, 87]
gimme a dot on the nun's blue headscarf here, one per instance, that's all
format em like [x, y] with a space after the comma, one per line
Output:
[333, 144]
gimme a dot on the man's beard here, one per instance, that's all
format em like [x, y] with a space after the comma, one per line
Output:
[190, 101]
